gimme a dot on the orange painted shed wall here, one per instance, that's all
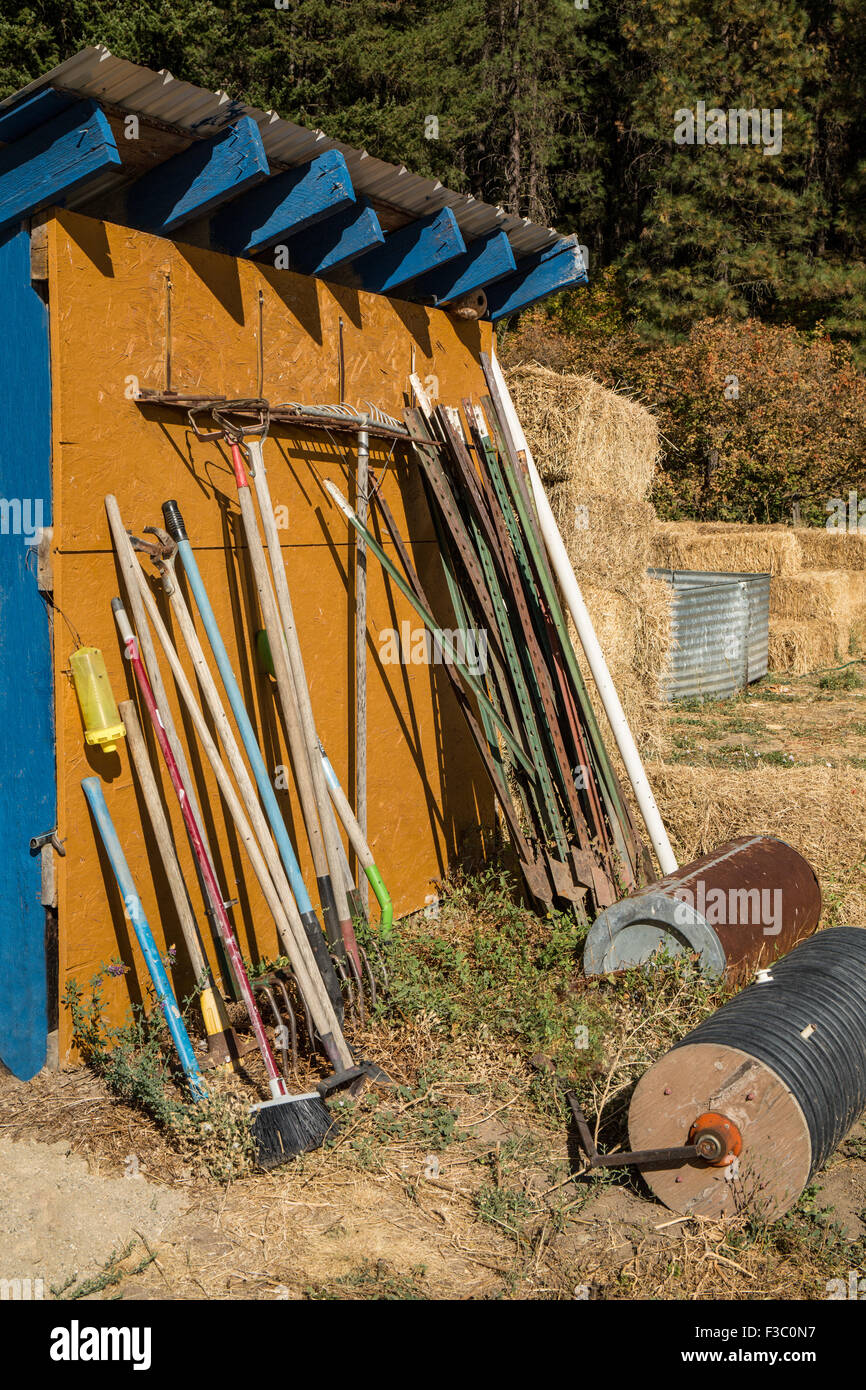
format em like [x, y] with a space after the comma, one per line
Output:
[427, 792]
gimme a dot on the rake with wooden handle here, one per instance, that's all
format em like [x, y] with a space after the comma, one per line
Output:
[341, 929]
[173, 544]
[129, 567]
[330, 832]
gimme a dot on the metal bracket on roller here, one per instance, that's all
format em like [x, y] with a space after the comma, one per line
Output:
[717, 1142]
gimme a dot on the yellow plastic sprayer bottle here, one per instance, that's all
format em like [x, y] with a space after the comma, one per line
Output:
[102, 723]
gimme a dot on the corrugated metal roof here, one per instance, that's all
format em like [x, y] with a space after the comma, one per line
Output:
[157, 96]
[719, 632]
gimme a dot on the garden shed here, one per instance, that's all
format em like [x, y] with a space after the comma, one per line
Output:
[157, 242]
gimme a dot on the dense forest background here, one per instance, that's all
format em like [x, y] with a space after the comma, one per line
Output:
[707, 263]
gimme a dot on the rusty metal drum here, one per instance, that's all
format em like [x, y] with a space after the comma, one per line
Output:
[737, 909]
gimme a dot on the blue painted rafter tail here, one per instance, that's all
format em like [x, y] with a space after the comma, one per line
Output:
[334, 241]
[286, 204]
[558, 267]
[415, 249]
[55, 159]
[200, 179]
[42, 106]
[486, 259]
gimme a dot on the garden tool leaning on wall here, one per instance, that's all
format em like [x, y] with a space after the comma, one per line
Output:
[335, 906]
[325, 802]
[285, 1125]
[534, 727]
[265, 862]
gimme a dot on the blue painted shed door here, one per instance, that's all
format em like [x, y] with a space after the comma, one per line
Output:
[27, 779]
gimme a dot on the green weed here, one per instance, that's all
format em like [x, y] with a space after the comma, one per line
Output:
[848, 678]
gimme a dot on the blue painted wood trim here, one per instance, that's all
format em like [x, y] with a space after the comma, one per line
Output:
[18, 120]
[288, 203]
[28, 805]
[199, 180]
[336, 240]
[45, 166]
[559, 267]
[486, 259]
[413, 250]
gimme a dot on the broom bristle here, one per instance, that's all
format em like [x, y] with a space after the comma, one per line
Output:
[289, 1126]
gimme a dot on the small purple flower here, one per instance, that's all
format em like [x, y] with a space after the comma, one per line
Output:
[117, 969]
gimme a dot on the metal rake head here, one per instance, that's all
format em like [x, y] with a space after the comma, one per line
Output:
[372, 415]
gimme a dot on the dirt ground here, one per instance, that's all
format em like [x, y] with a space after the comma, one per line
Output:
[462, 1181]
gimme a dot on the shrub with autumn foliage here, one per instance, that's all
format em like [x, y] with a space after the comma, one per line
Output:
[754, 416]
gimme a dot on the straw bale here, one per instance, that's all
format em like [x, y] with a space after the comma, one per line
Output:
[596, 452]
[608, 539]
[615, 619]
[582, 433]
[831, 550]
[653, 645]
[633, 631]
[821, 811]
[689, 545]
[799, 646]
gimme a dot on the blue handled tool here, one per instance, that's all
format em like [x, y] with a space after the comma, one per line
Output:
[177, 531]
[135, 911]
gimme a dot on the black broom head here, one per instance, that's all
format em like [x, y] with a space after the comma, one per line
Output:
[288, 1126]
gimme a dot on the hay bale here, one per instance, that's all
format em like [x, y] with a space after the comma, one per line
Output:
[818, 615]
[817, 595]
[615, 619]
[821, 811]
[608, 540]
[728, 547]
[633, 630]
[583, 434]
[798, 646]
[653, 645]
[831, 550]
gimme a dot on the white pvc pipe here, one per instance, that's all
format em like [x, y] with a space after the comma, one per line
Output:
[586, 632]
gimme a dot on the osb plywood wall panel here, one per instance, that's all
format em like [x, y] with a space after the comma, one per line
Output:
[427, 796]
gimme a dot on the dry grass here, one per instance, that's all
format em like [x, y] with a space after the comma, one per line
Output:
[821, 811]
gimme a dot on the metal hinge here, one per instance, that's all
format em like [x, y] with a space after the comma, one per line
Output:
[45, 561]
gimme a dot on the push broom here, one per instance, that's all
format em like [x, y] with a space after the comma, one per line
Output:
[285, 1125]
